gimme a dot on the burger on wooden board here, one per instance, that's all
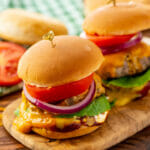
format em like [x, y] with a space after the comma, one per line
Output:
[117, 31]
[18, 30]
[62, 95]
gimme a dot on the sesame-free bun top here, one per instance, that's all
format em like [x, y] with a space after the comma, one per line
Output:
[73, 58]
[122, 19]
[90, 5]
[25, 27]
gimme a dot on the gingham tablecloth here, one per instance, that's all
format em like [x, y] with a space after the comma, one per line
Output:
[68, 11]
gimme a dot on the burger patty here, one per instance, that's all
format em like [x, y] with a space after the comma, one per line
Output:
[128, 62]
[75, 99]
[133, 66]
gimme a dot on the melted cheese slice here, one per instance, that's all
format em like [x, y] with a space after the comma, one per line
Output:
[42, 119]
[122, 96]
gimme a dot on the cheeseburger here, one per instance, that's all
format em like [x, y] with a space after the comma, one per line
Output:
[62, 96]
[117, 31]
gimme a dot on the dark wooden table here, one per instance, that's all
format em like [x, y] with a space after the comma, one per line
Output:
[140, 141]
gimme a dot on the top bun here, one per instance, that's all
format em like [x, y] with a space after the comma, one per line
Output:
[91, 5]
[73, 58]
[122, 19]
[25, 27]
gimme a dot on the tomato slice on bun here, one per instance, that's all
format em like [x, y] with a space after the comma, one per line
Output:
[61, 92]
[10, 54]
[107, 40]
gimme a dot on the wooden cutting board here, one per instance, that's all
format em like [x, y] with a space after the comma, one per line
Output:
[122, 123]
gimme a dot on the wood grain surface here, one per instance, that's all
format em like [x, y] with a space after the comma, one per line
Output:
[122, 123]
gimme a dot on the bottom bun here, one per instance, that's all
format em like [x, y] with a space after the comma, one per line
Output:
[83, 130]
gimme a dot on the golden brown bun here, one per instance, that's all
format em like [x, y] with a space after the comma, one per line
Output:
[24, 27]
[90, 5]
[120, 20]
[72, 59]
[83, 130]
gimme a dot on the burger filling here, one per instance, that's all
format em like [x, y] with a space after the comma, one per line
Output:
[30, 116]
[132, 61]
[127, 78]
[125, 89]
[126, 67]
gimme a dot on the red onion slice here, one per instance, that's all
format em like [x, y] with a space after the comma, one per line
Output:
[114, 49]
[145, 90]
[63, 109]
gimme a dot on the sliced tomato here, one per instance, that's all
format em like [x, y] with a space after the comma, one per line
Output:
[61, 92]
[10, 54]
[109, 40]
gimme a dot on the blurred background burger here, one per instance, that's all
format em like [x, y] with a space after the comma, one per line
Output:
[26, 28]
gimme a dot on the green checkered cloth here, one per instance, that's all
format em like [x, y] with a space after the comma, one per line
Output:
[68, 11]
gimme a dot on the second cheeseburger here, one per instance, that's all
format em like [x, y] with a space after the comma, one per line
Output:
[117, 31]
[62, 96]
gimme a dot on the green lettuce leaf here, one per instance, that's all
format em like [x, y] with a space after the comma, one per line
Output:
[130, 81]
[16, 112]
[98, 106]
[4, 90]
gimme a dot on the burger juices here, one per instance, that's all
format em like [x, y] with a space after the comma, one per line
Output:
[62, 96]
[117, 31]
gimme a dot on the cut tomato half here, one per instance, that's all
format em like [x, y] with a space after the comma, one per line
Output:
[61, 92]
[10, 54]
